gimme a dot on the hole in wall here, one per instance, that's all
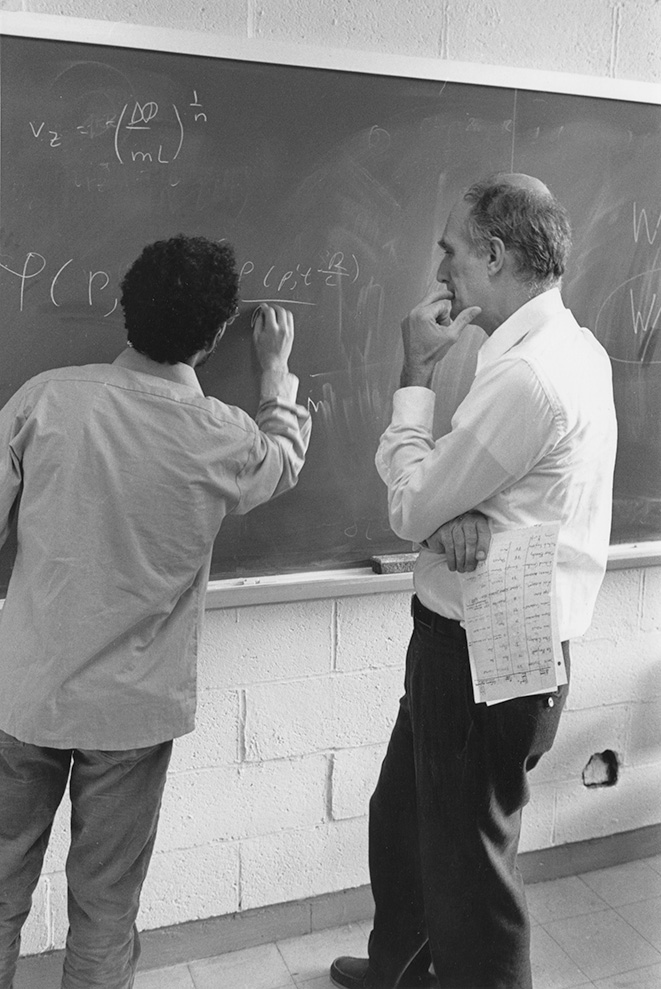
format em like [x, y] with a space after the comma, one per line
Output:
[602, 769]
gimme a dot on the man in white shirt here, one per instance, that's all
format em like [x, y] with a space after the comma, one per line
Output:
[121, 475]
[533, 441]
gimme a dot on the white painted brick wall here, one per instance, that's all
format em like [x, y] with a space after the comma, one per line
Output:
[537, 829]
[644, 743]
[294, 865]
[36, 935]
[215, 742]
[592, 813]
[267, 801]
[357, 646]
[284, 719]
[212, 886]
[229, 804]
[583, 733]
[300, 638]
[354, 776]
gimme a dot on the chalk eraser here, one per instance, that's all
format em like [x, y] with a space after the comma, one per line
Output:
[394, 562]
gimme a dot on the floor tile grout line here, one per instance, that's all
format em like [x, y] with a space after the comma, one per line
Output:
[614, 906]
[592, 891]
[599, 907]
[635, 929]
[638, 968]
[192, 974]
[565, 952]
[284, 960]
[573, 916]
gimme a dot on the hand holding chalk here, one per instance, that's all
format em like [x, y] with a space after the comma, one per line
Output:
[257, 314]
[273, 336]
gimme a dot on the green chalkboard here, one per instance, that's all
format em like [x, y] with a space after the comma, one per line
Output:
[333, 186]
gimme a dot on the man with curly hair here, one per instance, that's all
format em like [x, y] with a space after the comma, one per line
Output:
[121, 475]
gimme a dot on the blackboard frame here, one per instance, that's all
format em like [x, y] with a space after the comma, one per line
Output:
[336, 583]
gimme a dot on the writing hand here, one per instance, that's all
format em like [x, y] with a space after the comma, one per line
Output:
[273, 336]
[465, 541]
[428, 332]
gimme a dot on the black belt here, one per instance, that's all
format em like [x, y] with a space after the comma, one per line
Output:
[435, 623]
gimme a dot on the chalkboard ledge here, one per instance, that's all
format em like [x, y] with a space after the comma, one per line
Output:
[235, 593]
[241, 591]
[238, 592]
[623, 556]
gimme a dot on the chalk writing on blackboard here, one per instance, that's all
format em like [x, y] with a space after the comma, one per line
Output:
[640, 220]
[295, 166]
[134, 116]
[640, 307]
[328, 272]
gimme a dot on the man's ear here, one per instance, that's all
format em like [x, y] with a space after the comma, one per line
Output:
[497, 255]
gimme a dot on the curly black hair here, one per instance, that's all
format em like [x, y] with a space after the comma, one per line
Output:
[177, 295]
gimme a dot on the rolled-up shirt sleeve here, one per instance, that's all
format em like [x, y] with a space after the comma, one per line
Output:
[281, 440]
[504, 426]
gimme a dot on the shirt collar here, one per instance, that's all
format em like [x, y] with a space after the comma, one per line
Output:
[181, 374]
[527, 318]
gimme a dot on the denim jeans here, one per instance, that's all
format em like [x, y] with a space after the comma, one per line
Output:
[445, 819]
[115, 803]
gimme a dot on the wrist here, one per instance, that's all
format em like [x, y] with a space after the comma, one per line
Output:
[276, 382]
[275, 367]
[419, 375]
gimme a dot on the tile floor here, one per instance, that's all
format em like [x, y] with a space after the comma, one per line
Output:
[598, 930]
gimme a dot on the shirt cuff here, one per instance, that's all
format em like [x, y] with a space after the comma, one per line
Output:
[413, 406]
[278, 385]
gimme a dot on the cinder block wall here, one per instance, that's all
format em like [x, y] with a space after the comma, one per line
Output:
[267, 799]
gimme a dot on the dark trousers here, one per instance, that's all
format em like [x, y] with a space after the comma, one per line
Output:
[115, 801]
[445, 820]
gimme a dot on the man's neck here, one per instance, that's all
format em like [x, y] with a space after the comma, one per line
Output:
[516, 297]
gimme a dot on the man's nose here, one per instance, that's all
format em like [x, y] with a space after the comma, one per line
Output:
[443, 275]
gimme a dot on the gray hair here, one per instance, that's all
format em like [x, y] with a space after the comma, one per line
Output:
[531, 224]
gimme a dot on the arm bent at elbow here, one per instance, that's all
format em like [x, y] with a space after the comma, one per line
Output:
[284, 426]
[430, 485]
[281, 437]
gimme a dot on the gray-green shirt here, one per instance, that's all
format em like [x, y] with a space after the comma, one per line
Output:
[125, 472]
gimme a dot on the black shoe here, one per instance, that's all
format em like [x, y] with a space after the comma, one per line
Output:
[356, 973]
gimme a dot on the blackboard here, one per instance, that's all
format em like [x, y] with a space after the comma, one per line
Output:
[333, 186]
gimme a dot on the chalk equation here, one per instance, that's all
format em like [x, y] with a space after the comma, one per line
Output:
[509, 611]
[145, 118]
[67, 282]
[335, 267]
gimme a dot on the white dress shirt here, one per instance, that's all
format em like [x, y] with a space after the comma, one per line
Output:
[533, 441]
[124, 473]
